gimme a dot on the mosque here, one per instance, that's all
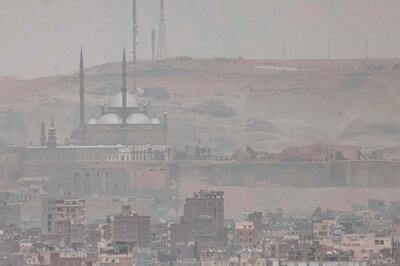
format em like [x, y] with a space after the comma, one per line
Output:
[125, 131]
[125, 121]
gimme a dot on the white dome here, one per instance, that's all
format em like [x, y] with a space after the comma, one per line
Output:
[110, 119]
[92, 121]
[131, 101]
[139, 91]
[155, 121]
[138, 119]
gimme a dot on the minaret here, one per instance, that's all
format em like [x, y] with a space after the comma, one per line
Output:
[42, 135]
[52, 136]
[165, 120]
[124, 89]
[82, 93]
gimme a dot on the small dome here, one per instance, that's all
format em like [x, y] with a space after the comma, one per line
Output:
[155, 121]
[139, 91]
[131, 101]
[138, 119]
[92, 121]
[110, 119]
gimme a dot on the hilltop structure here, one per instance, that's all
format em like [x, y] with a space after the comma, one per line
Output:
[98, 159]
[123, 132]
[127, 120]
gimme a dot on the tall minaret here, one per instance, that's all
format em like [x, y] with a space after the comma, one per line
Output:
[81, 93]
[124, 89]
[52, 135]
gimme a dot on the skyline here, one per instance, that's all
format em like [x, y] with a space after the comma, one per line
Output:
[103, 28]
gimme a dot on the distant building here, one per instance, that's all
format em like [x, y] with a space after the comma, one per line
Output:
[10, 215]
[210, 204]
[181, 234]
[321, 153]
[365, 246]
[313, 153]
[256, 218]
[131, 228]
[245, 235]
[376, 205]
[202, 225]
[323, 228]
[63, 219]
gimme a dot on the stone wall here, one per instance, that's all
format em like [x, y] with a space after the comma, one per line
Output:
[327, 174]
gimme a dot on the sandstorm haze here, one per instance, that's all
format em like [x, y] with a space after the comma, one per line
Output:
[38, 35]
[247, 132]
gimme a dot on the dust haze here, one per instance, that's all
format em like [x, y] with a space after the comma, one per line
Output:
[230, 133]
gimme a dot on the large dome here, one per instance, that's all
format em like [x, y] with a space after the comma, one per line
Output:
[138, 119]
[110, 119]
[155, 121]
[131, 101]
[92, 121]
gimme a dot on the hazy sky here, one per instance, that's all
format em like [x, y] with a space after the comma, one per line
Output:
[37, 35]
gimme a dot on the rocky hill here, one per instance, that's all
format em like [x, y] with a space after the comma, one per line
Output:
[268, 104]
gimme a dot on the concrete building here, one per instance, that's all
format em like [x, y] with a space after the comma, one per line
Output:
[56, 210]
[256, 217]
[63, 220]
[10, 215]
[323, 228]
[131, 228]
[207, 204]
[365, 246]
[181, 234]
[245, 235]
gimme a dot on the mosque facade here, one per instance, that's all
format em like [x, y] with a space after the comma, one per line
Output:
[125, 131]
[125, 120]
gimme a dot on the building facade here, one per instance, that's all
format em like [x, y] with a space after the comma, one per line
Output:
[126, 120]
[131, 228]
[209, 204]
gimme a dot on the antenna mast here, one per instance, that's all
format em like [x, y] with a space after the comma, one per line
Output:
[162, 35]
[134, 27]
[284, 49]
[134, 42]
[153, 45]
[329, 49]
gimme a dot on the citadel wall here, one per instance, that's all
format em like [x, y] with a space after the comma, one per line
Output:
[374, 174]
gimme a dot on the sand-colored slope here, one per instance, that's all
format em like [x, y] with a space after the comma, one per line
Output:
[303, 101]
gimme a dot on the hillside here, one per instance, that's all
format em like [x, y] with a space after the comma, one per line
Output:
[227, 103]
